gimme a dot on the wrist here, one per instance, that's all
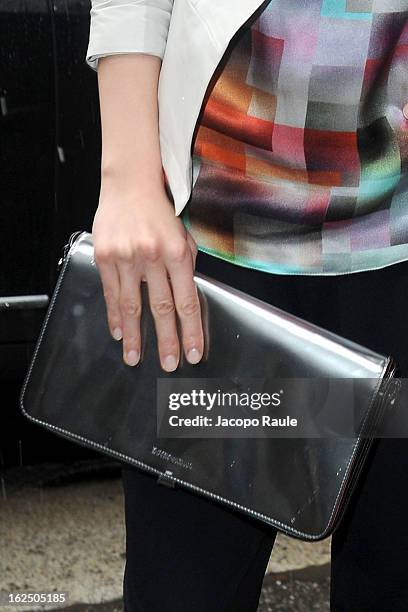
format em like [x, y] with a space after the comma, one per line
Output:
[144, 191]
[143, 179]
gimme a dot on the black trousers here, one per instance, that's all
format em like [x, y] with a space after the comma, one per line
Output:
[186, 554]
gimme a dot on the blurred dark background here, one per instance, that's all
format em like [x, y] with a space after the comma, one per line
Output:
[49, 187]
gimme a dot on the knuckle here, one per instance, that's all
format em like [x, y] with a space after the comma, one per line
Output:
[150, 250]
[110, 297]
[178, 252]
[131, 341]
[169, 346]
[131, 307]
[124, 254]
[163, 307]
[114, 321]
[102, 254]
[189, 307]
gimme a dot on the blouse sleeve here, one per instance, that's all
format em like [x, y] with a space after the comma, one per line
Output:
[127, 26]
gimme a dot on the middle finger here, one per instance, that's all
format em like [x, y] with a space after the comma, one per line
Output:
[163, 311]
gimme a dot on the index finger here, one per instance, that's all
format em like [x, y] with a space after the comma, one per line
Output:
[111, 291]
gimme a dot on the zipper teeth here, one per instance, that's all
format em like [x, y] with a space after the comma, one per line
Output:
[388, 367]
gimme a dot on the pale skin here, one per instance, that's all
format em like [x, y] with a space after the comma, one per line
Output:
[137, 236]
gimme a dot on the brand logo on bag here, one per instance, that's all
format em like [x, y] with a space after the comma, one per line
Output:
[159, 452]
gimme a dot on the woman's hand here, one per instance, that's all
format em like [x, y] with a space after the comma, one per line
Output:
[137, 237]
[136, 234]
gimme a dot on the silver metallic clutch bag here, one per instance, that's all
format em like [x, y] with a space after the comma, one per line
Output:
[78, 386]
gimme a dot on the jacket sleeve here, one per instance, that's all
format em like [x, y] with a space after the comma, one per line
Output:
[127, 26]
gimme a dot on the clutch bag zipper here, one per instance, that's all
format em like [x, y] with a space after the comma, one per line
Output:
[66, 248]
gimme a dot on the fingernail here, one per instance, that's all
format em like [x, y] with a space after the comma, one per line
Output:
[170, 363]
[132, 358]
[117, 333]
[193, 355]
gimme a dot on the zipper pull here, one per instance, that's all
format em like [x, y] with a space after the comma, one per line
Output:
[66, 248]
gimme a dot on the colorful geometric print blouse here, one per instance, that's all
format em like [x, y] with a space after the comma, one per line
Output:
[301, 154]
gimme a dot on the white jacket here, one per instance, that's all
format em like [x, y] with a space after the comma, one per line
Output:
[190, 36]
